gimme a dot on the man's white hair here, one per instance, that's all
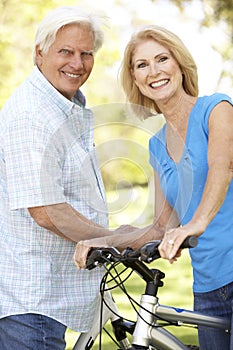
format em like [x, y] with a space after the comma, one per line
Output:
[62, 16]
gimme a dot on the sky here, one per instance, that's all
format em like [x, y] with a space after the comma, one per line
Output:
[127, 15]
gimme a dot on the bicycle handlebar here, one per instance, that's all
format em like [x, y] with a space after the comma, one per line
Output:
[147, 253]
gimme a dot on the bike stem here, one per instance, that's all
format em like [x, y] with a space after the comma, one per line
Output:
[152, 277]
[153, 286]
[148, 303]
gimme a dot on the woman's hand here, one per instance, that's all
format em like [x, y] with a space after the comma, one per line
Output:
[169, 248]
[172, 240]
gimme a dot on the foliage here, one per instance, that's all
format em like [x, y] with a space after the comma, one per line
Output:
[16, 44]
[18, 21]
[221, 12]
[16, 37]
[218, 13]
[215, 10]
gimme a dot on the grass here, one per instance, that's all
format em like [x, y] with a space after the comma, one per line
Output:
[177, 292]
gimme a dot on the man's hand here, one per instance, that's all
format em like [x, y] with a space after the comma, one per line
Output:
[82, 249]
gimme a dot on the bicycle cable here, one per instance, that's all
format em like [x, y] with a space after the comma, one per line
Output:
[132, 301]
[119, 283]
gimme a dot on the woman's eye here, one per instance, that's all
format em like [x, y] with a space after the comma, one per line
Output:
[163, 59]
[141, 65]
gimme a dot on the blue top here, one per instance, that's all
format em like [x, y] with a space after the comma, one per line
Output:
[182, 185]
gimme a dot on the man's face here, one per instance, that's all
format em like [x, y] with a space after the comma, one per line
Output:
[69, 60]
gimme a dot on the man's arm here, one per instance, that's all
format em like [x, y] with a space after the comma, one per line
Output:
[68, 223]
[165, 217]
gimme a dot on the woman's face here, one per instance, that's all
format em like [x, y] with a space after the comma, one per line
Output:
[155, 71]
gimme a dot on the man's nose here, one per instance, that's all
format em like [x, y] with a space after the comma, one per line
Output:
[77, 61]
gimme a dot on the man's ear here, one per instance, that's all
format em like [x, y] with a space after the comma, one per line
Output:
[39, 55]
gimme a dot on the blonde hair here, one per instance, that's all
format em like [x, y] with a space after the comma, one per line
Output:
[60, 17]
[142, 105]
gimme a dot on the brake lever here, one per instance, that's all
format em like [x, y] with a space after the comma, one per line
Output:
[100, 256]
[149, 251]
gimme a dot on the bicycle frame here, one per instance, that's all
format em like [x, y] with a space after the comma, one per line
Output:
[148, 331]
[161, 338]
[144, 334]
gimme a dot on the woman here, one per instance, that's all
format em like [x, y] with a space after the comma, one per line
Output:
[192, 157]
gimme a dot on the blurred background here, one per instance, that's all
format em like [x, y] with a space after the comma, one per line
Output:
[205, 26]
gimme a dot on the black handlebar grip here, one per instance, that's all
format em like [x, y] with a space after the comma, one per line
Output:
[189, 242]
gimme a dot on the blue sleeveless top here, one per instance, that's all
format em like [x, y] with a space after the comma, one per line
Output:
[183, 184]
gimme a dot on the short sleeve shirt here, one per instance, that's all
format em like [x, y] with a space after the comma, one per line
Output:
[47, 156]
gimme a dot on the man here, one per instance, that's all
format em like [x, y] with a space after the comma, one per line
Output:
[51, 192]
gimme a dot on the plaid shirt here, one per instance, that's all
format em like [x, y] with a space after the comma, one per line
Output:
[46, 157]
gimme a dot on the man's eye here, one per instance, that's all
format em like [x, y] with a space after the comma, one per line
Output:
[87, 53]
[65, 51]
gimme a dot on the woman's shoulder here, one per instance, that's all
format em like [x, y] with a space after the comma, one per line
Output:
[214, 98]
[205, 105]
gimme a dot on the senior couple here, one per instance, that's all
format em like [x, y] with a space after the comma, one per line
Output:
[53, 206]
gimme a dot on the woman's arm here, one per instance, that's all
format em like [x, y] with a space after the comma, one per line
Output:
[165, 217]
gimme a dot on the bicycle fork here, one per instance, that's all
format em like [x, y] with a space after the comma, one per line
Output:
[120, 327]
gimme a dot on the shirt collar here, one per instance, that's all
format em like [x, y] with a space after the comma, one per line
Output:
[38, 79]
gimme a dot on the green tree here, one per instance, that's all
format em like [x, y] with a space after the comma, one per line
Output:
[221, 11]
[218, 12]
[19, 18]
[17, 26]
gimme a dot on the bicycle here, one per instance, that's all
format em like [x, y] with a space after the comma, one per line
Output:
[148, 332]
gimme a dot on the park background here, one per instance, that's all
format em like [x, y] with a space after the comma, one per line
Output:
[205, 26]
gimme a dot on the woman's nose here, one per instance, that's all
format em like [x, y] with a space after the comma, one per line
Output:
[153, 68]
